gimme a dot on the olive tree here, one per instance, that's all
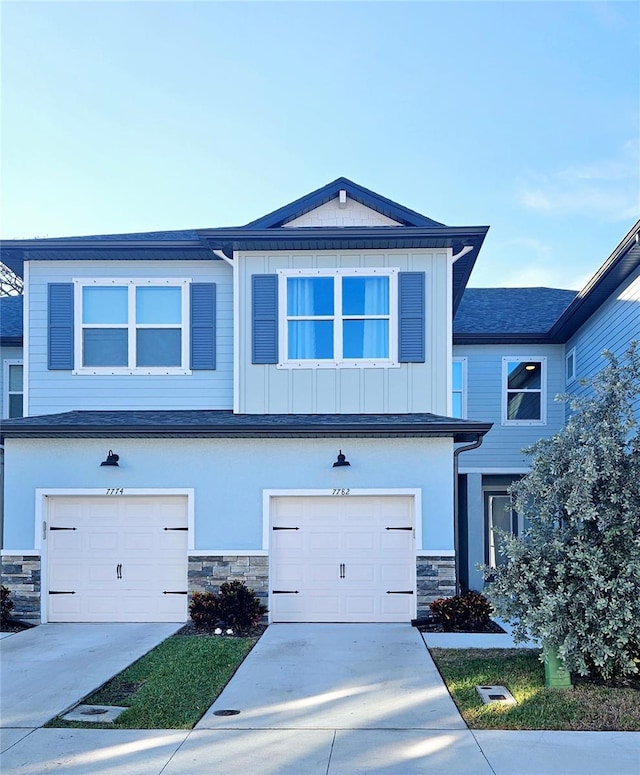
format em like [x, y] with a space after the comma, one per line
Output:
[572, 580]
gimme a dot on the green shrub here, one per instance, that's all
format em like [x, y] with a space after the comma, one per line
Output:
[469, 612]
[6, 604]
[204, 609]
[572, 579]
[236, 607]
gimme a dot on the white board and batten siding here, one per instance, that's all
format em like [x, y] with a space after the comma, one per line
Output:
[409, 387]
[612, 327]
[116, 559]
[62, 391]
[502, 446]
[342, 559]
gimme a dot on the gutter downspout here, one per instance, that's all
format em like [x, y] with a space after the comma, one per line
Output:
[222, 255]
[456, 529]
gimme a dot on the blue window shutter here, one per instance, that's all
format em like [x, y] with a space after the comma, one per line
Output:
[203, 326]
[60, 321]
[411, 317]
[264, 329]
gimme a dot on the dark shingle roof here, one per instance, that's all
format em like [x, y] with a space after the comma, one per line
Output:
[504, 311]
[11, 321]
[180, 234]
[224, 423]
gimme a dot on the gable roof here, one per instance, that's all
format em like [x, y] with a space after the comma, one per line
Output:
[320, 196]
[11, 321]
[503, 315]
[269, 233]
[620, 265]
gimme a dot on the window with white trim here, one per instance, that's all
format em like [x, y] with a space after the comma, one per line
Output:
[13, 389]
[570, 364]
[132, 326]
[524, 391]
[339, 317]
[459, 387]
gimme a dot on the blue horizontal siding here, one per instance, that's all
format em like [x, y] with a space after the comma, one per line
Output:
[502, 446]
[612, 327]
[62, 391]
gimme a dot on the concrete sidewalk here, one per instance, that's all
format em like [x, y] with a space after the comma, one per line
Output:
[325, 700]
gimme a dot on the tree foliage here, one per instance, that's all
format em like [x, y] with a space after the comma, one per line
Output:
[573, 579]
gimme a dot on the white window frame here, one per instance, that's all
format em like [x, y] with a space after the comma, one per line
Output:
[6, 392]
[463, 390]
[132, 284]
[570, 377]
[337, 318]
[542, 360]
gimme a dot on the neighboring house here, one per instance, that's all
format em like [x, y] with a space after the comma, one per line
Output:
[11, 366]
[519, 348]
[277, 402]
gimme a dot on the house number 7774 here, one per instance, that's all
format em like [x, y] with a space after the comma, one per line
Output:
[115, 491]
[340, 492]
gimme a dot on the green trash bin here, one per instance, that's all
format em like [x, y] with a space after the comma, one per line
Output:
[556, 676]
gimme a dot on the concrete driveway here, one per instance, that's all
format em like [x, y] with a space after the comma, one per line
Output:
[49, 668]
[323, 700]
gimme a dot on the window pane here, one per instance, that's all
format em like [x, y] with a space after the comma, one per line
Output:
[310, 339]
[15, 406]
[105, 304]
[159, 305]
[456, 405]
[309, 296]
[105, 347]
[500, 517]
[365, 295]
[457, 375]
[526, 375]
[365, 339]
[570, 366]
[159, 347]
[15, 378]
[523, 406]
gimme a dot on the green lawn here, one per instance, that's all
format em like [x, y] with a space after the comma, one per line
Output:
[172, 686]
[586, 707]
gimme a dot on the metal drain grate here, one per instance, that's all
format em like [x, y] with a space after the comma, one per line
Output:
[226, 712]
[93, 712]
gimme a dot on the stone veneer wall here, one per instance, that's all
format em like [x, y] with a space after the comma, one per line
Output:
[207, 573]
[436, 578]
[21, 575]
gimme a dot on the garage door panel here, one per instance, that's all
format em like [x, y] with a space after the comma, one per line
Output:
[342, 560]
[119, 560]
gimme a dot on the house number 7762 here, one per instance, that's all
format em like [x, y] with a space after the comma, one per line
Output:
[115, 491]
[340, 492]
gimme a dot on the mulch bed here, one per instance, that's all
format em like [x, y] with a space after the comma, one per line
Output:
[15, 625]
[191, 629]
[431, 626]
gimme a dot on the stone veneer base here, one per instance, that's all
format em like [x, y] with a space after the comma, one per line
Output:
[21, 575]
[206, 573]
[436, 577]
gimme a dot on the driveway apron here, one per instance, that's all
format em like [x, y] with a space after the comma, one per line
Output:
[336, 676]
[49, 668]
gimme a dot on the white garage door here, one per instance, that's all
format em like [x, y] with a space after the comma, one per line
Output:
[342, 559]
[117, 559]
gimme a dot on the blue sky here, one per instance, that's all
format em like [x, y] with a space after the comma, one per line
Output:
[124, 116]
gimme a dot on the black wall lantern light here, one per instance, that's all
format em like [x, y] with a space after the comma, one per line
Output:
[341, 461]
[112, 459]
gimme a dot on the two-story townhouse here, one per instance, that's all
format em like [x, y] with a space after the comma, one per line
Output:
[515, 350]
[270, 402]
[287, 403]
